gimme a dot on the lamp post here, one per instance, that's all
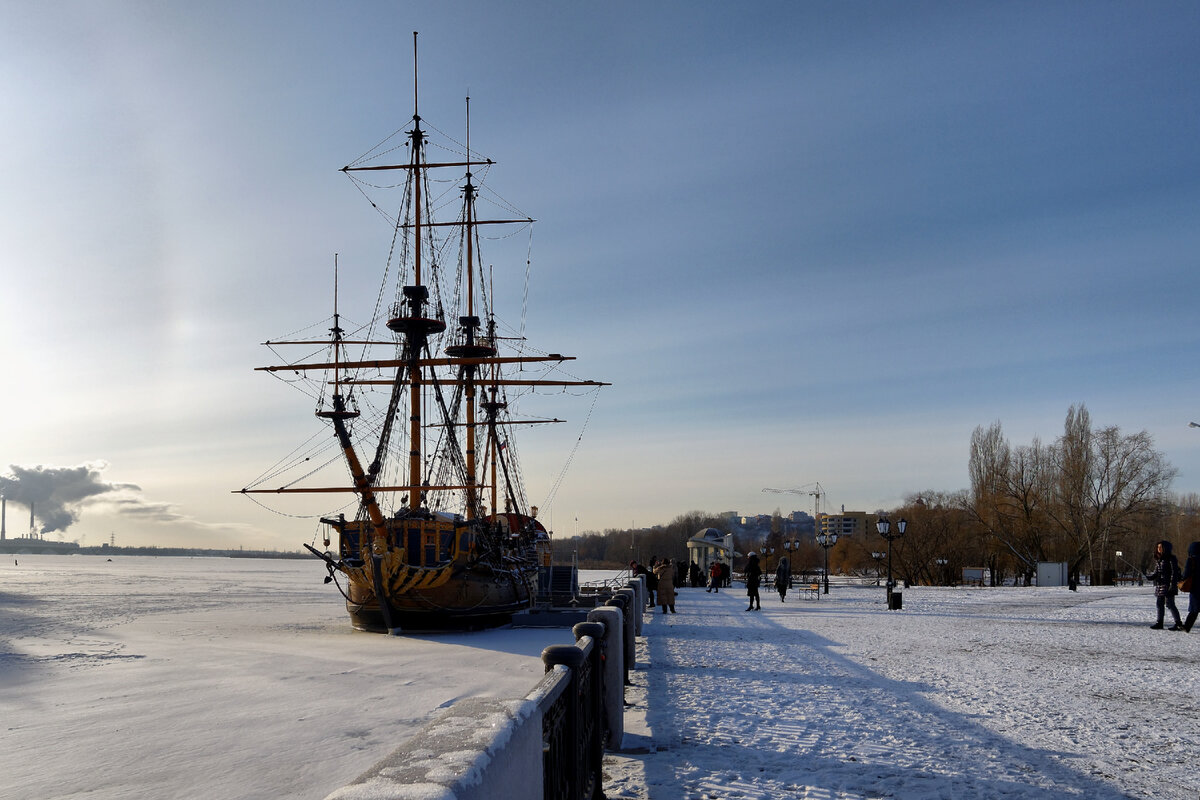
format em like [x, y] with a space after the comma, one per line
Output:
[885, 530]
[878, 559]
[826, 540]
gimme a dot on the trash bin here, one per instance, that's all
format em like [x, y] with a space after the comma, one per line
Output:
[895, 601]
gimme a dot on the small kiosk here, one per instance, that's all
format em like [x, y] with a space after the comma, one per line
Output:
[710, 545]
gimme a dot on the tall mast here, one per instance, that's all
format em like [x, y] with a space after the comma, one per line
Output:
[338, 416]
[469, 323]
[412, 321]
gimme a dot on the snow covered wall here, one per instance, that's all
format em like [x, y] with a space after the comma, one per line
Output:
[485, 749]
[478, 749]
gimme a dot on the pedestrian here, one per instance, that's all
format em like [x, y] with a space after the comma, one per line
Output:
[1165, 576]
[694, 574]
[666, 585]
[783, 577]
[726, 575]
[1188, 583]
[753, 577]
[680, 573]
[714, 577]
[651, 583]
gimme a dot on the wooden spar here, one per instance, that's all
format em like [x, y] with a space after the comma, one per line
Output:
[329, 489]
[502, 422]
[488, 162]
[325, 341]
[457, 224]
[489, 382]
[392, 363]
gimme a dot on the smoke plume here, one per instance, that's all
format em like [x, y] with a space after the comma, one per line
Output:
[57, 494]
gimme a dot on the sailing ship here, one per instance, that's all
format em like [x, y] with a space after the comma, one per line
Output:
[419, 402]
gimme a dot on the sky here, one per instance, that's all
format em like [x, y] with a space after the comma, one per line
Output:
[805, 242]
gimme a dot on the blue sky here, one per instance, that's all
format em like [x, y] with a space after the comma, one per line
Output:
[805, 241]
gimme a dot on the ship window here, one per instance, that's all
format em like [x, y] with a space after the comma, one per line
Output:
[447, 543]
[414, 546]
[430, 549]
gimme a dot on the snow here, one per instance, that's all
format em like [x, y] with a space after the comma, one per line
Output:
[241, 678]
[964, 693]
[217, 678]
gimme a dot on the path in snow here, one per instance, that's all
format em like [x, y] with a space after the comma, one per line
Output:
[964, 694]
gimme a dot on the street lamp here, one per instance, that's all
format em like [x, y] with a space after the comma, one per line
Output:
[826, 540]
[878, 559]
[885, 530]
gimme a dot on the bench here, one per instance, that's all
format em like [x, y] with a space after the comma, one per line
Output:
[812, 591]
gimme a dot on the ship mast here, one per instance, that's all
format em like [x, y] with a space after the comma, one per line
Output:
[411, 320]
[338, 416]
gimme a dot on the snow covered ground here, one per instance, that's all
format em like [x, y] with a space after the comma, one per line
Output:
[965, 693]
[241, 678]
[178, 678]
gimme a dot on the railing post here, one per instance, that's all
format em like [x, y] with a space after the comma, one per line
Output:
[593, 717]
[638, 584]
[619, 602]
[636, 604]
[614, 666]
[569, 767]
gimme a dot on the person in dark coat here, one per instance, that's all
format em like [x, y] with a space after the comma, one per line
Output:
[1165, 576]
[651, 583]
[666, 585]
[1190, 568]
[783, 577]
[694, 573]
[753, 578]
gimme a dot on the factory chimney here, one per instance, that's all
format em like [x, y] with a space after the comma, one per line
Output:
[3, 518]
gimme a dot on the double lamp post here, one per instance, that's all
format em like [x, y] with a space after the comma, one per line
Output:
[826, 540]
[884, 526]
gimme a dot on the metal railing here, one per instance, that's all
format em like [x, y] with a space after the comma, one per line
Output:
[571, 699]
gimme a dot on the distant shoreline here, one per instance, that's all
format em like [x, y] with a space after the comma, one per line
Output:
[39, 547]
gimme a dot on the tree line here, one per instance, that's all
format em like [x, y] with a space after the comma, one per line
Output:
[1090, 494]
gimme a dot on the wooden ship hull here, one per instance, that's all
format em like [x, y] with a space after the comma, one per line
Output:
[437, 573]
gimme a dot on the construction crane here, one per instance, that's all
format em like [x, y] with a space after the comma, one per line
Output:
[813, 489]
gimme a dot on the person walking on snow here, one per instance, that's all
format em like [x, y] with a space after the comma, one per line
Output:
[1190, 567]
[666, 585]
[714, 577]
[1165, 576]
[753, 577]
[783, 577]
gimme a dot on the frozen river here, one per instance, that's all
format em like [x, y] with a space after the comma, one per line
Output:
[219, 678]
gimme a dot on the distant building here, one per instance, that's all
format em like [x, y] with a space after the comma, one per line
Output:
[848, 523]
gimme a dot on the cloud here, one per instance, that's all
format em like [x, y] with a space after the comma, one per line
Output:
[57, 494]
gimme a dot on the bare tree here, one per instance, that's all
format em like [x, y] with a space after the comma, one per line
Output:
[1108, 485]
[1009, 488]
